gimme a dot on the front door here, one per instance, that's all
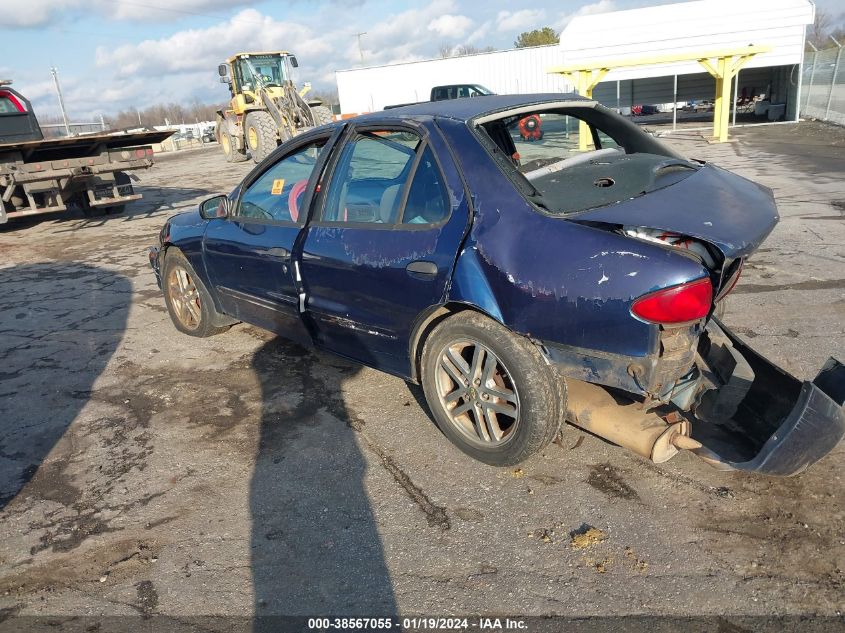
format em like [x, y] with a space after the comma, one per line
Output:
[249, 255]
[383, 242]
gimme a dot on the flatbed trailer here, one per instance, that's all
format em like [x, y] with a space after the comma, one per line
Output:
[45, 176]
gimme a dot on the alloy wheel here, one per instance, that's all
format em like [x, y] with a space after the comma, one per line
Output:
[477, 392]
[184, 297]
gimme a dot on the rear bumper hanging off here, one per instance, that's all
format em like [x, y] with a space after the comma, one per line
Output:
[736, 410]
[760, 418]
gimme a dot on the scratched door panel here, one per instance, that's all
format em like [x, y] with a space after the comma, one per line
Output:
[393, 210]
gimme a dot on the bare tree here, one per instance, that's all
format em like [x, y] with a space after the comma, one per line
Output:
[819, 31]
[447, 50]
[163, 114]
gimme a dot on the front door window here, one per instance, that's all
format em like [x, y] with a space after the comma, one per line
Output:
[277, 194]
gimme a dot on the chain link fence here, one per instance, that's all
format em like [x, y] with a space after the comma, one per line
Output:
[823, 86]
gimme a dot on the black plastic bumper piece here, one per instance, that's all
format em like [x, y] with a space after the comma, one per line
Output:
[153, 253]
[761, 418]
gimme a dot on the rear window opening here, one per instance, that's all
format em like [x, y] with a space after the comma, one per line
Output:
[570, 158]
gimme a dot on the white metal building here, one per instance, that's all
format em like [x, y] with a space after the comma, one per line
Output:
[521, 70]
[651, 31]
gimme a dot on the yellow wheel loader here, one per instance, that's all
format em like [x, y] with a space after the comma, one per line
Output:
[266, 109]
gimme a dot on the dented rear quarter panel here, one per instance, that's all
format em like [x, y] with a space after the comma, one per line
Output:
[549, 278]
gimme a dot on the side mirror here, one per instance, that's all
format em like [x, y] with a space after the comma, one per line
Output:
[223, 70]
[225, 80]
[216, 207]
[293, 62]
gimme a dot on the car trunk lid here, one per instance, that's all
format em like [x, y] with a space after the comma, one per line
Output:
[712, 205]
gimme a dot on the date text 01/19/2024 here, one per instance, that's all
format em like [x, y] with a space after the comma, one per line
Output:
[417, 624]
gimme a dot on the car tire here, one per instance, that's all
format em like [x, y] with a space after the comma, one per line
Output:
[188, 301]
[512, 401]
[321, 115]
[261, 135]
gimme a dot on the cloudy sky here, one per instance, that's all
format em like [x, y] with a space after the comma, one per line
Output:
[112, 54]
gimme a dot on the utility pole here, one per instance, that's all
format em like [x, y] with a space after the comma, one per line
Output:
[55, 74]
[360, 50]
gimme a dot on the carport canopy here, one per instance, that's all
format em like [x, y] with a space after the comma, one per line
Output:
[722, 64]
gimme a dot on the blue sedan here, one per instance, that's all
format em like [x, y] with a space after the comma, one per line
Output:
[576, 276]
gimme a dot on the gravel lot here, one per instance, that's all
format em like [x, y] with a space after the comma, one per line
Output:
[147, 472]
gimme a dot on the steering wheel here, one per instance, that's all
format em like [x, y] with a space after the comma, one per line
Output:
[293, 198]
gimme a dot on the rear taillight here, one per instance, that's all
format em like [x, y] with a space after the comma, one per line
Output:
[677, 304]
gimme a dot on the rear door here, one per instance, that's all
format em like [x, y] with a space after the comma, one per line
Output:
[386, 231]
[249, 255]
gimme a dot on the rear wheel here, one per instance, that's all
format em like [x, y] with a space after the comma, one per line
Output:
[261, 135]
[188, 301]
[490, 391]
[321, 114]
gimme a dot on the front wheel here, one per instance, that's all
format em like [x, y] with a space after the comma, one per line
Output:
[188, 301]
[490, 391]
[262, 135]
[230, 150]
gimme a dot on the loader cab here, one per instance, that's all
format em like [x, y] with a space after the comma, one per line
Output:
[250, 72]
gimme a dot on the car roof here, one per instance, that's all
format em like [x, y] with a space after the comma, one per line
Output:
[472, 107]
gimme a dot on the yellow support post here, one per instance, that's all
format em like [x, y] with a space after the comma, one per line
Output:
[724, 71]
[720, 129]
[584, 81]
[727, 63]
[585, 90]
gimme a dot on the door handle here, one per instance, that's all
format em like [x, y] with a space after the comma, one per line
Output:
[421, 268]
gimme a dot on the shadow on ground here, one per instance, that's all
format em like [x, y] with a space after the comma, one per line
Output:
[60, 324]
[315, 543]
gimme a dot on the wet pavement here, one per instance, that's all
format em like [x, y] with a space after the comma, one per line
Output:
[146, 472]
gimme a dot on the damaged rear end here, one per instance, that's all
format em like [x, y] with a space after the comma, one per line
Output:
[725, 402]
[647, 362]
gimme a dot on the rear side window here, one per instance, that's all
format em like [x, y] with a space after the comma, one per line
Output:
[386, 178]
[428, 200]
[370, 177]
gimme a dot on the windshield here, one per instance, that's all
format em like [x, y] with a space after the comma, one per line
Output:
[262, 71]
